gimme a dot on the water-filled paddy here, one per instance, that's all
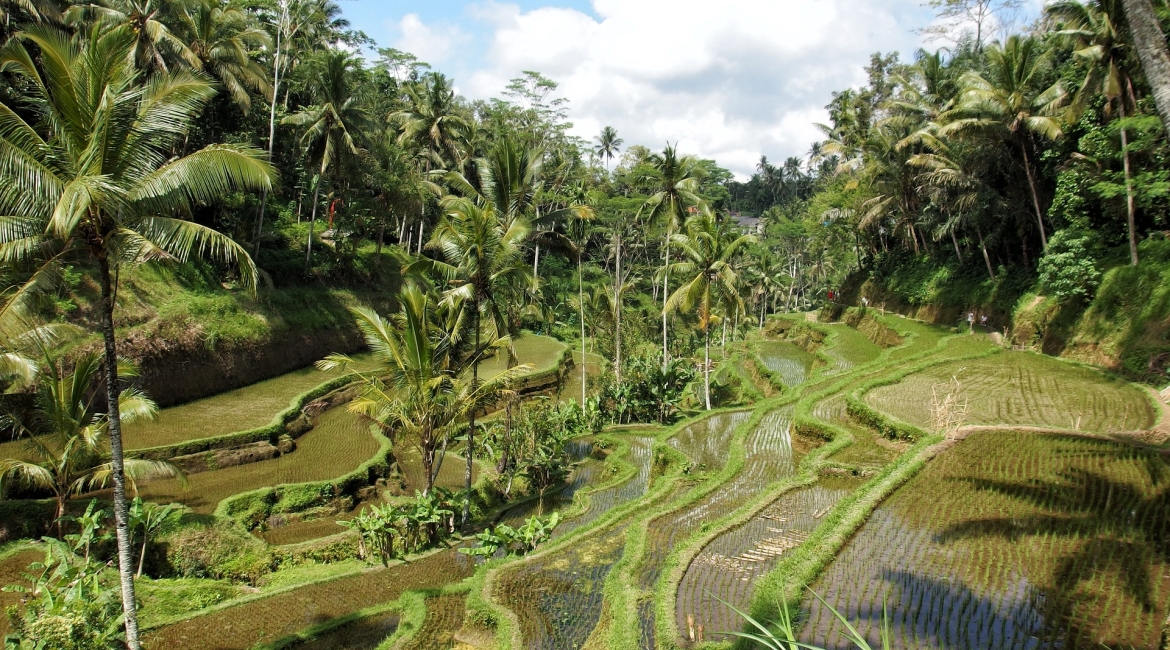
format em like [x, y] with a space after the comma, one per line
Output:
[339, 444]
[1022, 389]
[787, 360]
[730, 564]
[1013, 540]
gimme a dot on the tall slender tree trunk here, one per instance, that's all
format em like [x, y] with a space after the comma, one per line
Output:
[536, 262]
[1129, 198]
[312, 223]
[1035, 196]
[121, 516]
[1153, 52]
[471, 423]
[955, 241]
[707, 361]
[617, 311]
[665, 297]
[581, 305]
[271, 120]
[983, 247]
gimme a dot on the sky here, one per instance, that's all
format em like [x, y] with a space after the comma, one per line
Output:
[729, 80]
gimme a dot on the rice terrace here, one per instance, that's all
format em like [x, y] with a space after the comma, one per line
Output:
[306, 344]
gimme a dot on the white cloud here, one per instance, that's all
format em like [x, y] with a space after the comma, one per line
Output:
[730, 80]
[430, 43]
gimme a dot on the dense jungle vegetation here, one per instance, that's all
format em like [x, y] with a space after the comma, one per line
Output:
[204, 173]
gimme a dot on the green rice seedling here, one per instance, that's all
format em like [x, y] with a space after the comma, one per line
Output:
[1023, 389]
[788, 361]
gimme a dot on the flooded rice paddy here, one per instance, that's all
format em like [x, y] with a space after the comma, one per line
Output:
[787, 360]
[1017, 540]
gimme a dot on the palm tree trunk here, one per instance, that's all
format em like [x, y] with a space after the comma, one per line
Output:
[707, 363]
[471, 425]
[581, 304]
[1035, 196]
[955, 241]
[312, 222]
[121, 517]
[617, 311]
[271, 122]
[983, 247]
[1153, 52]
[536, 263]
[1129, 198]
[665, 297]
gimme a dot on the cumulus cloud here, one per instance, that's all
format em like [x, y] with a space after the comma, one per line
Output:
[429, 43]
[729, 80]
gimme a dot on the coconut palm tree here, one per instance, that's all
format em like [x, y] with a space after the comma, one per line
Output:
[433, 126]
[222, 38]
[87, 168]
[1098, 29]
[676, 181]
[481, 262]
[67, 441]
[148, 20]
[608, 146]
[420, 391]
[707, 249]
[332, 125]
[1010, 104]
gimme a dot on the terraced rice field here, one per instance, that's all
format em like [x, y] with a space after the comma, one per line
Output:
[238, 410]
[852, 348]
[1013, 540]
[541, 352]
[729, 566]
[365, 634]
[444, 614]
[772, 453]
[339, 444]
[558, 597]
[273, 617]
[1022, 389]
[706, 442]
[787, 360]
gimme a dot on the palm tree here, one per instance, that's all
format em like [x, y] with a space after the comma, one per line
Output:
[331, 124]
[66, 440]
[419, 392]
[222, 37]
[677, 189]
[1150, 43]
[433, 126]
[707, 249]
[148, 20]
[87, 164]
[609, 145]
[481, 262]
[1098, 29]
[1011, 105]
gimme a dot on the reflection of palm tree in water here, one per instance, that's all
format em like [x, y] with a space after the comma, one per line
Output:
[1125, 527]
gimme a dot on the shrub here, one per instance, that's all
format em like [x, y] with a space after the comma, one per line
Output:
[219, 551]
[1068, 269]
